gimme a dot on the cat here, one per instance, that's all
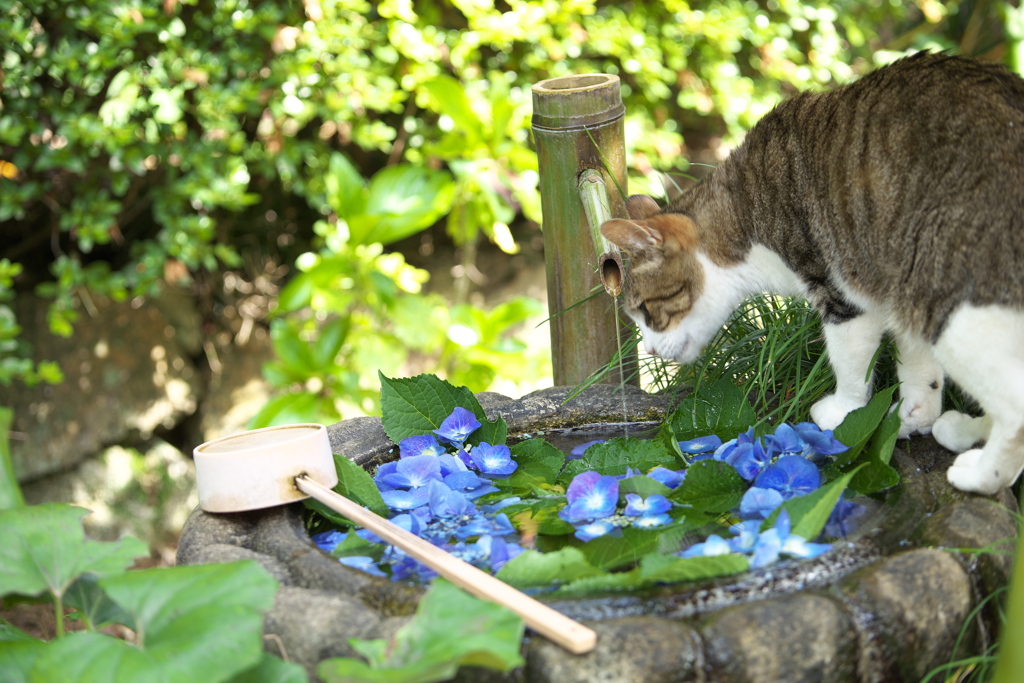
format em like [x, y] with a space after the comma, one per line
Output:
[893, 204]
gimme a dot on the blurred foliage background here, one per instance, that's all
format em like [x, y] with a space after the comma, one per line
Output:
[196, 143]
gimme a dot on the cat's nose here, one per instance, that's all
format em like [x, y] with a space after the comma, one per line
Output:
[651, 351]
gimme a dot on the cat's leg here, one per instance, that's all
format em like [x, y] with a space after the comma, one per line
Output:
[982, 349]
[958, 431]
[920, 386]
[851, 348]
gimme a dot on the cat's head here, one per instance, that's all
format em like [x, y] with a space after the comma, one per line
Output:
[666, 279]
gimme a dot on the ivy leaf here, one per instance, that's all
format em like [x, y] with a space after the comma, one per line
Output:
[710, 486]
[193, 623]
[615, 455]
[451, 628]
[668, 569]
[720, 409]
[859, 425]
[532, 568]
[43, 548]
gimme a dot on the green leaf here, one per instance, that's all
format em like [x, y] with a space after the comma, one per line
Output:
[720, 409]
[18, 658]
[600, 583]
[43, 548]
[809, 513]
[402, 200]
[448, 96]
[346, 189]
[272, 670]
[86, 596]
[610, 552]
[418, 405]
[330, 340]
[10, 492]
[451, 629]
[353, 545]
[540, 517]
[532, 568]
[615, 455]
[643, 486]
[877, 474]
[860, 424]
[356, 484]
[538, 458]
[669, 569]
[710, 486]
[193, 623]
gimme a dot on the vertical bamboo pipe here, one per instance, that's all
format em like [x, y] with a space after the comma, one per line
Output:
[577, 126]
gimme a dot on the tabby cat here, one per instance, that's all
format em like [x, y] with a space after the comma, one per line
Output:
[894, 204]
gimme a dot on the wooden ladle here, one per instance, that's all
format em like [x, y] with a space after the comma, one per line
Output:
[279, 465]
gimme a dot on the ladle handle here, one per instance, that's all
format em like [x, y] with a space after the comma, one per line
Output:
[553, 625]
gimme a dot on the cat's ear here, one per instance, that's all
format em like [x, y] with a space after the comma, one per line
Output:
[632, 236]
[641, 206]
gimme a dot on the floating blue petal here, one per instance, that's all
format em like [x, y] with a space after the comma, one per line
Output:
[652, 520]
[328, 540]
[406, 500]
[820, 440]
[425, 444]
[578, 451]
[654, 504]
[590, 496]
[457, 427]
[670, 478]
[759, 503]
[791, 476]
[704, 444]
[843, 520]
[596, 529]
[494, 460]
[414, 472]
[447, 503]
[750, 460]
[714, 545]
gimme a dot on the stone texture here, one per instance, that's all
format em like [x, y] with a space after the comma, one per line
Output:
[805, 638]
[125, 372]
[910, 609]
[629, 650]
[334, 619]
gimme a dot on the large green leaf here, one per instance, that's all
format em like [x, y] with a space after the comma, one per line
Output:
[418, 405]
[270, 669]
[719, 409]
[710, 486]
[809, 513]
[86, 596]
[611, 552]
[600, 583]
[402, 200]
[356, 484]
[860, 424]
[615, 455]
[544, 569]
[877, 474]
[668, 569]
[451, 628]
[537, 459]
[43, 548]
[346, 189]
[192, 623]
[18, 658]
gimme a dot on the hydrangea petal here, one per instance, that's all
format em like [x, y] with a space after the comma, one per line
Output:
[652, 520]
[447, 503]
[406, 500]
[759, 502]
[494, 460]
[363, 564]
[821, 440]
[590, 496]
[796, 546]
[578, 451]
[712, 546]
[766, 549]
[670, 478]
[791, 476]
[328, 540]
[704, 444]
[750, 460]
[424, 444]
[654, 504]
[843, 520]
[596, 529]
[419, 470]
[457, 427]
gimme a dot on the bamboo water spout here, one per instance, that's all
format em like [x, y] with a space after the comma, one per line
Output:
[577, 126]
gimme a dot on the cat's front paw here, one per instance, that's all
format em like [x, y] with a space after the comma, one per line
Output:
[829, 412]
[970, 473]
[918, 414]
[959, 431]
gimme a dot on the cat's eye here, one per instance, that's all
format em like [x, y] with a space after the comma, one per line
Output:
[646, 313]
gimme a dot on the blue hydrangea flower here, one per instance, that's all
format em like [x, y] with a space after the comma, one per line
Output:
[328, 540]
[655, 504]
[650, 521]
[714, 545]
[778, 540]
[590, 496]
[791, 476]
[499, 551]
[759, 502]
[363, 564]
[724, 451]
[820, 440]
[447, 503]
[503, 503]
[413, 472]
[451, 464]
[457, 427]
[400, 499]
[595, 529]
[670, 478]
[469, 484]
[843, 520]
[494, 460]
[425, 444]
[382, 471]
[410, 522]
[704, 444]
[745, 536]
[750, 460]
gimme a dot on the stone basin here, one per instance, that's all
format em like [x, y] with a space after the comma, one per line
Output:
[889, 604]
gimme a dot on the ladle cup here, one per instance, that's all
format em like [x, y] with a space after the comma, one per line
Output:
[279, 465]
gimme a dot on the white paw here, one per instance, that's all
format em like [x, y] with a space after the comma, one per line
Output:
[918, 414]
[829, 412]
[969, 473]
[959, 431]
